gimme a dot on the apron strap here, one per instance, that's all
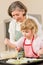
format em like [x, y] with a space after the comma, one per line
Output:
[24, 42]
[32, 47]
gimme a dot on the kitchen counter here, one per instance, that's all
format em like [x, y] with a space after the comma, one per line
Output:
[8, 54]
[4, 56]
[29, 62]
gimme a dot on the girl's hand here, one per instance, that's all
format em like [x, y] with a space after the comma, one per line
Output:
[40, 51]
[18, 49]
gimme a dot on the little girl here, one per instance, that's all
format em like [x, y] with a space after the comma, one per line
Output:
[31, 42]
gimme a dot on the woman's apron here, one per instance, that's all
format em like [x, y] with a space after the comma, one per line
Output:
[28, 50]
[18, 34]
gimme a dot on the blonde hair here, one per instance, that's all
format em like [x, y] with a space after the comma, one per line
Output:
[29, 24]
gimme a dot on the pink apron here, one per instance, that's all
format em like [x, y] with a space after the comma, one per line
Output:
[28, 49]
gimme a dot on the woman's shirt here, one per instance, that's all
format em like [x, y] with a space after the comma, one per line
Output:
[14, 30]
[14, 26]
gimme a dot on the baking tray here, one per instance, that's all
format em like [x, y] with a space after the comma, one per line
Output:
[3, 62]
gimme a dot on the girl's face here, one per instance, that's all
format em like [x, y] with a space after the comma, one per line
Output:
[27, 34]
[18, 14]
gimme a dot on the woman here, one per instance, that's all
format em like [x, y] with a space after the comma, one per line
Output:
[17, 10]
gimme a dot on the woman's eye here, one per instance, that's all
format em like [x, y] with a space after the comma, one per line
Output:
[13, 15]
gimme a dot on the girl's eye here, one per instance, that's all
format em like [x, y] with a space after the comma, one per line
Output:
[26, 31]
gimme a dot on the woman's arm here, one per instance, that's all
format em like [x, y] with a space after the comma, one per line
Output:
[7, 42]
[11, 31]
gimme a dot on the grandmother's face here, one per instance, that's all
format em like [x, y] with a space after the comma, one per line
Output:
[18, 14]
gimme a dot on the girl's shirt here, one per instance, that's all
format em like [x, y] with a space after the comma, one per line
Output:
[37, 43]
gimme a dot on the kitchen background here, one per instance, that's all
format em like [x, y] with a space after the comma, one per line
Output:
[35, 7]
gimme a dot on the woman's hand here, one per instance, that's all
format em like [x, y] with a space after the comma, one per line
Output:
[6, 41]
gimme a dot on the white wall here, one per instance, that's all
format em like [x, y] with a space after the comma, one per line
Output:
[33, 6]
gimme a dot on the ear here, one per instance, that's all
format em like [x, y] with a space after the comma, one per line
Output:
[23, 12]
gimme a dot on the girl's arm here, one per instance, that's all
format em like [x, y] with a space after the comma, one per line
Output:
[40, 51]
[18, 44]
